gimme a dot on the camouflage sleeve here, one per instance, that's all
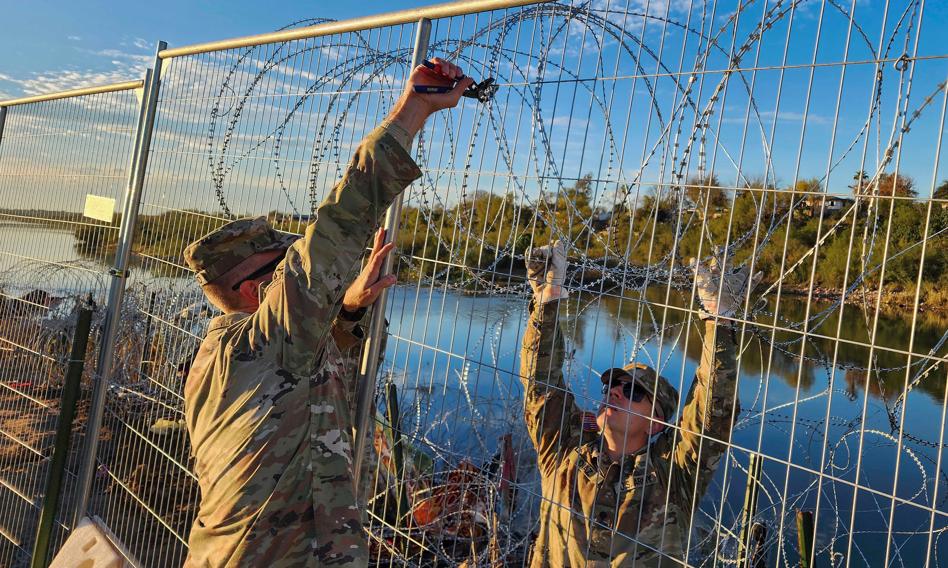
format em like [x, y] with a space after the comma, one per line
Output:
[554, 421]
[306, 293]
[709, 412]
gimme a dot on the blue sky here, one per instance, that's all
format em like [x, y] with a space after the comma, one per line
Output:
[56, 45]
[107, 39]
[55, 38]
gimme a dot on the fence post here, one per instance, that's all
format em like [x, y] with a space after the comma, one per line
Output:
[67, 412]
[805, 537]
[3, 120]
[757, 553]
[751, 495]
[370, 354]
[119, 273]
[398, 450]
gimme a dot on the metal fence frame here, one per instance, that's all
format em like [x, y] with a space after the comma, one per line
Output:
[137, 174]
[46, 543]
[118, 273]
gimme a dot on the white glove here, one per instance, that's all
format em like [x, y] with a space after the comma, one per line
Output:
[709, 278]
[546, 271]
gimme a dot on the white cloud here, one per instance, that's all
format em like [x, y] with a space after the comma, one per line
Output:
[55, 81]
[105, 66]
[142, 60]
[74, 38]
[736, 116]
[141, 43]
[796, 117]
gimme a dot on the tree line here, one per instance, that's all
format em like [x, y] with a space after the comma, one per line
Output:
[641, 227]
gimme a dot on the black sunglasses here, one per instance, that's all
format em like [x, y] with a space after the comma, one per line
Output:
[262, 271]
[633, 391]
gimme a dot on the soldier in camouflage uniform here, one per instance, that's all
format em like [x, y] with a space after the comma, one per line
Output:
[623, 492]
[267, 403]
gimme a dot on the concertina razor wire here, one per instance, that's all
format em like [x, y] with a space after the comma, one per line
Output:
[578, 82]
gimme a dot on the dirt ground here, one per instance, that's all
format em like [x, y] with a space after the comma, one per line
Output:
[27, 433]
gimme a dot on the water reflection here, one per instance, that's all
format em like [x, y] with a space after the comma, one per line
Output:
[783, 358]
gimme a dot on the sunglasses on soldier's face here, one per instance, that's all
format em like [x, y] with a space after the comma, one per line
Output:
[260, 272]
[631, 391]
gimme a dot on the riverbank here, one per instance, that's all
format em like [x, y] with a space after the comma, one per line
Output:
[894, 297]
[932, 300]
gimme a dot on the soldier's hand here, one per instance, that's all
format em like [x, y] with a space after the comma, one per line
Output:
[445, 75]
[412, 109]
[721, 289]
[367, 287]
[546, 272]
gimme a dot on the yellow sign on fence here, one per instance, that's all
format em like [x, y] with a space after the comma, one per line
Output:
[99, 208]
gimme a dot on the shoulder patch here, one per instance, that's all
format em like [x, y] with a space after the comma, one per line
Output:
[589, 422]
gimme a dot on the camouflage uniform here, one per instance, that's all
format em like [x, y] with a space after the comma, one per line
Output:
[596, 512]
[267, 402]
[350, 337]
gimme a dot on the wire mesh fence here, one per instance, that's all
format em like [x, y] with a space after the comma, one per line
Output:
[52, 155]
[253, 131]
[788, 135]
[799, 139]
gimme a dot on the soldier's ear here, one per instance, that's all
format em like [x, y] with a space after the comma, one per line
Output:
[657, 424]
[248, 292]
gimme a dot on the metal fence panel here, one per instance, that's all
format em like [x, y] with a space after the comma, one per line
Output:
[640, 137]
[799, 139]
[53, 154]
[250, 131]
[790, 135]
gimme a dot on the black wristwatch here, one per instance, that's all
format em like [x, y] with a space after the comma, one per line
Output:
[352, 316]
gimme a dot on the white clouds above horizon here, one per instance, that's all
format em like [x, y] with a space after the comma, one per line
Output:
[110, 65]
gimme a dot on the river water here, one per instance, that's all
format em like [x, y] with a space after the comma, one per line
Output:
[822, 420]
[457, 357]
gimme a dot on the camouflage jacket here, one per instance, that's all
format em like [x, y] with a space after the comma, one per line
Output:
[595, 511]
[266, 401]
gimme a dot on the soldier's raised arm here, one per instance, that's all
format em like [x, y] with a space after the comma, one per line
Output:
[307, 289]
[347, 327]
[266, 407]
[712, 405]
[554, 421]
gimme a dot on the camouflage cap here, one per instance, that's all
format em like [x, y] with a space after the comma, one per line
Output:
[224, 248]
[658, 387]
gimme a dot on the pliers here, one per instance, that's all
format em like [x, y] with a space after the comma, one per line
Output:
[483, 91]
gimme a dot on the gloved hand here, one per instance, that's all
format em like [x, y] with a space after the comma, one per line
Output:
[546, 271]
[710, 277]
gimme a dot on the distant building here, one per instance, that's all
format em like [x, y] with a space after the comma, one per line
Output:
[713, 212]
[832, 204]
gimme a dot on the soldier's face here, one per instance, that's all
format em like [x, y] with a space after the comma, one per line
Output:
[626, 416]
